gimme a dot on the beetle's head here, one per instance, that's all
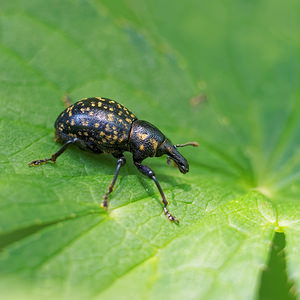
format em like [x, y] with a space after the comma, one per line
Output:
[147, 141]
[171, 150]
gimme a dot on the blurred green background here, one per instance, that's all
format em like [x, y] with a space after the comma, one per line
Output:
[222, 73]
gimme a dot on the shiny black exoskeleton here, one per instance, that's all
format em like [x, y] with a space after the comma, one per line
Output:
[102, 125]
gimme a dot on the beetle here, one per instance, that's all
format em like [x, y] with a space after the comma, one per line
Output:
[102, 125]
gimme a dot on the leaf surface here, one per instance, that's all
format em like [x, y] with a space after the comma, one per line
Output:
[223, 74]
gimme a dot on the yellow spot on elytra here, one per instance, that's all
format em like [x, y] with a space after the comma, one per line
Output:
[110, 117]
[115, 132]
[121, 140]
[99, 104]
[132, 116]
[101, 133]
[142, 136]
[85, 122]
[70, 114]
[111, 109]
[82, 110]
[67, 121]
[72, 122]
[85, 133]
[111, 101]
[119, 105]
[79, 132]
[107, 128]
[114, 127]
[87, 109]
[93, 103]
[97, 125]
[128, 120]
[120, 113]
[104, 140]
[92, 139]
[105, 107]
[142, 147]
[91, 113]
[115, 137]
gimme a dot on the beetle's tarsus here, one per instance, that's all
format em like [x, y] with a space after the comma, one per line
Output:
[170, 216]
[38, 162]
[104, 202]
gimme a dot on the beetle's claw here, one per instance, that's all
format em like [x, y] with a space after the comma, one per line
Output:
[170, 217]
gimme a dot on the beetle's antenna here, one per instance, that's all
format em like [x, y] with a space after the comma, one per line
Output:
[194, 144]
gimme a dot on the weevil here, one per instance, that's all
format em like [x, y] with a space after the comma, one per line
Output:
[103, 125]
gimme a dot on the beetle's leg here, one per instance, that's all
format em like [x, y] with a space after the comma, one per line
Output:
[53, 156]
[67, 100]
[121, 162]
[148, 172]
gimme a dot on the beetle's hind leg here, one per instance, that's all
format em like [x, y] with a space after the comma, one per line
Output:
[148, 172]
[121, 162]
[53, 156]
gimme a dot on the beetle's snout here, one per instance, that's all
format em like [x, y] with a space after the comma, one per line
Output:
[173, 153]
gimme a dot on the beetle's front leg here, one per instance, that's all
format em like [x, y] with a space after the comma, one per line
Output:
[148, 172]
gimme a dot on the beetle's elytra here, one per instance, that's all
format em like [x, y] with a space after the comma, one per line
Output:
[102, 125]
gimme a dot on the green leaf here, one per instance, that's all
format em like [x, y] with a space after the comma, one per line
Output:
[225, 74]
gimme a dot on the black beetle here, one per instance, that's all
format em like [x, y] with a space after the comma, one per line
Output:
[102, 125]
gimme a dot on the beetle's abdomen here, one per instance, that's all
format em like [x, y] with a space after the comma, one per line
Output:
[100, 124]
